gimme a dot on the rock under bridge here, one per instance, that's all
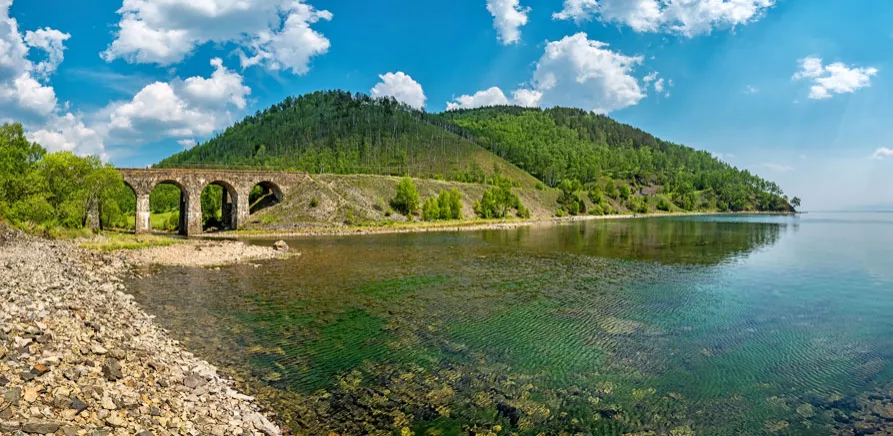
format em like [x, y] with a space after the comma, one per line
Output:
[236, 185]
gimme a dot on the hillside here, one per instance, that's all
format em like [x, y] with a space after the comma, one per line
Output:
[599, 166]
[339, 133]
[560, 144]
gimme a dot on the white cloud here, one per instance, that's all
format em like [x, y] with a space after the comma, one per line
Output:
[183, 109]
[659, 85]
[52, 42]
[882, 153]
[527, 97]
[577, 10]
[224, 87]
[750, 89]
[685, 17]
[489, 97]
[68, 133]
[402, 87]
[26, 99]
[273, 33]
[508, 17]
[836, 78]
[495, 97]
[187, 143]
[574, 72]
[579, 72]
[22, 97]
[778, 167]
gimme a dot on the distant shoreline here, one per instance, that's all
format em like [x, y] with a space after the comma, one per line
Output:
[452, 226]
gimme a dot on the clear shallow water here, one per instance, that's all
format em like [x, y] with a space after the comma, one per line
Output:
[710, 325]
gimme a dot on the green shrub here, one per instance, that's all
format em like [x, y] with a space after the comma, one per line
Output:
[173, 222]
[540, 186]
[380, 205]
[569, 200]
[431, 209]
[446, 206]
[523, 212]
[314, 202]
[624, 192]
[497, 201]
[406, 201]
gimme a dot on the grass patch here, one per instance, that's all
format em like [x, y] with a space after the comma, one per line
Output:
[110, 241]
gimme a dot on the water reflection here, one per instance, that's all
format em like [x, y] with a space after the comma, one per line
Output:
[670, 240]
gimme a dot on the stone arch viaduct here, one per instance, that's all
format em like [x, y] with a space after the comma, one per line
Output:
[236, 185]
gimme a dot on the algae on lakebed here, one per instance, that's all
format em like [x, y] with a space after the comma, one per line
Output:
[683, 327]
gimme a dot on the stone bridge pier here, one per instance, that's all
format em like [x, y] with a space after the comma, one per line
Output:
[237, 186]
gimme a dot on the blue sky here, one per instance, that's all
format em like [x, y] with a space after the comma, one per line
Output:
[794, 90]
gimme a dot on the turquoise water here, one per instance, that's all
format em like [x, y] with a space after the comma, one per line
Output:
[704, 325]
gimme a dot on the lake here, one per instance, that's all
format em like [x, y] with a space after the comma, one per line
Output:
[715, 325]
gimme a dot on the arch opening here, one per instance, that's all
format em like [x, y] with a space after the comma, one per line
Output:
[219, 201]
[264, 195]
[120, 211]
[168, 206]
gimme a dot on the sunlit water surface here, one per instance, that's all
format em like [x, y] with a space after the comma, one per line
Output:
[705, 325]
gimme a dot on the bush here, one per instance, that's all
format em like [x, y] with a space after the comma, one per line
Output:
[497, 201]
[446, 206]
[314, 202]
[406, 201]
[380, 205]
[664, 205]
[569, 200]
[540, 186]
[597, 210]
[624, 192]
[431, 209]
[611, 189]
[523, 212]
[173, 222]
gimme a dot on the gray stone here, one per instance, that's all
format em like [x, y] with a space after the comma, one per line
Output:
[40, 427]
[27, 376]
[193, 381]
[9, 426]
[78, 405]
[280, 246]
[13, 396]
[154, 411]
[112, 370]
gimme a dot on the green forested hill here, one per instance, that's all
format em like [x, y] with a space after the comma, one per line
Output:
[571, 144]
[338, 132]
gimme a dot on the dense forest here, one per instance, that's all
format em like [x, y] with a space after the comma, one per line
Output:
[338, 132]
[562, 144]
[342, 133]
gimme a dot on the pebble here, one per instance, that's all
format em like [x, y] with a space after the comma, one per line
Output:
[39, 369]
[40, 427]
[112, 370]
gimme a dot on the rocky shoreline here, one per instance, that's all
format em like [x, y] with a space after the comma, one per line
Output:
[79, 357]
